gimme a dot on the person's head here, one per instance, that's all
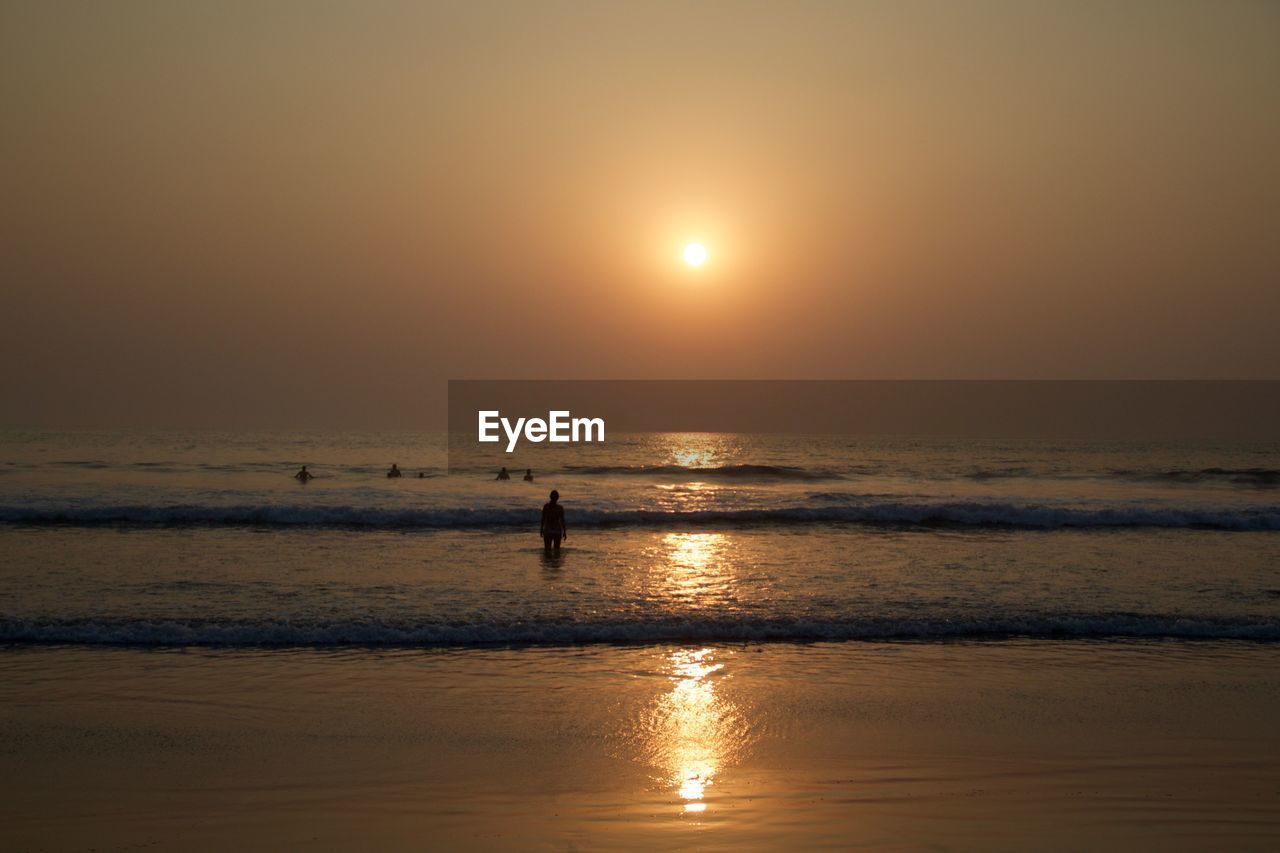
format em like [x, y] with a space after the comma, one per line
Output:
[555, 496]
[528, 470]
[304, 467]
[393, 464]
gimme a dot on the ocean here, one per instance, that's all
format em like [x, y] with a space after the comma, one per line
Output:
[205, 538]
[747, 642]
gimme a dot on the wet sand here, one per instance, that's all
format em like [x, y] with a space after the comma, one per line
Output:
[1008, 745]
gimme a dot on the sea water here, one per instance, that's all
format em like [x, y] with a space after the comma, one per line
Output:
[143, 538]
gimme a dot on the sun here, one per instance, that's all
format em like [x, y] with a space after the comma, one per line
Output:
[695, 254]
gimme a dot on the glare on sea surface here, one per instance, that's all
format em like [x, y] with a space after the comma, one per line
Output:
[691, 554]
[690, 732]
[696, 571]
[698, 450]
[693, 458]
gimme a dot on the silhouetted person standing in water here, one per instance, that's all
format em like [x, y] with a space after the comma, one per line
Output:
[394, 472]
[553, 529]
[503, 475]
[528, 475]
[303, 475]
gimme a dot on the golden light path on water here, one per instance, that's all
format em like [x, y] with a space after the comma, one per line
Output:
[697, 450]
[692, 729]
[690, 579]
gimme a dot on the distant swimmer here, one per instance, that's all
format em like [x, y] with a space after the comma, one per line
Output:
[421, 474]
[503, 475]
[528, 475]
[553, 528]
[303, 475]
[394, 472]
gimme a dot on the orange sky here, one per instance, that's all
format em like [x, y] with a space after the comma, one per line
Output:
[313, 214]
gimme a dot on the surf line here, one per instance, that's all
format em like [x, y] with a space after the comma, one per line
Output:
[559, 427]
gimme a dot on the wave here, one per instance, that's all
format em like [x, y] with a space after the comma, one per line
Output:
[1258, 477]
[888, 512]
[275, 468]
[1252, 477]
[1004, 473]
[565, 632]
[732, 472]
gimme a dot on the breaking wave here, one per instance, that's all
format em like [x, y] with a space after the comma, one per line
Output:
[960, 513]
[728, 472]
[564, 632]
[1258, 477]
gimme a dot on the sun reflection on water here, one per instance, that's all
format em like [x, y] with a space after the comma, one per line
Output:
[690, 556]
[694, 731]
[694, 458]
[698, 449]
[694, 721]
[687, 575]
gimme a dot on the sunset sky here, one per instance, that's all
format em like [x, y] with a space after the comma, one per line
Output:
[313, 214]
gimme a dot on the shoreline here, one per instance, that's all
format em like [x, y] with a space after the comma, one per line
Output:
[964, 745]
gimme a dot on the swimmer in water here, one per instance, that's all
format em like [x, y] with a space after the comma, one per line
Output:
[303, 475]
[528, 475]
[503, 475]
[394, 472]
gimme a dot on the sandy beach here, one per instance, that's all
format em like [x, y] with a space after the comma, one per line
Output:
[906, 746]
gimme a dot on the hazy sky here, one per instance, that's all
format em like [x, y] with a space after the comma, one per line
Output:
[313, 214]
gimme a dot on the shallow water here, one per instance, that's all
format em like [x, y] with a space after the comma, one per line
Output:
[330, 587]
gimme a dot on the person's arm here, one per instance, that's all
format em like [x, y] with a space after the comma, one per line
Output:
[564, 529]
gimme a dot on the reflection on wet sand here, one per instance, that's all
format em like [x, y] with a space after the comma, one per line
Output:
[694, 732]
